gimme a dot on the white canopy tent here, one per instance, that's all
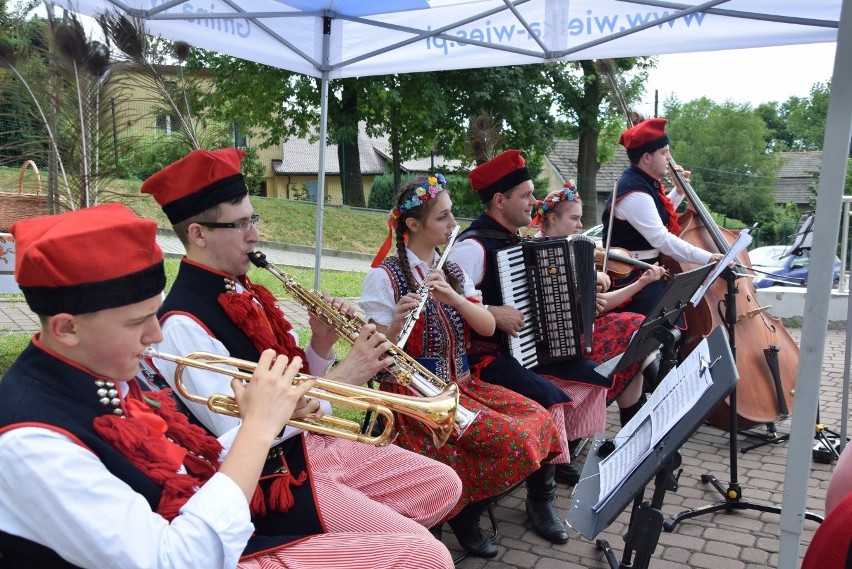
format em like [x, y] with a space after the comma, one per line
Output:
[348, 38]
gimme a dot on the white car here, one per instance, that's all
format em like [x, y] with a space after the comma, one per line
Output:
[595, 233]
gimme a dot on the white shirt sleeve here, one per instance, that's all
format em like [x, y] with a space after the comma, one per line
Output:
[377, 297]
[182, 335]
[58, 494]
[638, 209]
[469, 291]
[470, 256]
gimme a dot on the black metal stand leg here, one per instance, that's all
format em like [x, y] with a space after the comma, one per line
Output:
[646, 521]
[771, 437]
[733, 493]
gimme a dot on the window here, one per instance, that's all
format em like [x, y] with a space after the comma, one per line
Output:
[167, 123]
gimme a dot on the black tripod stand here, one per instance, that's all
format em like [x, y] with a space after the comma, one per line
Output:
[646, 521]
[825, 449]
[733, 493]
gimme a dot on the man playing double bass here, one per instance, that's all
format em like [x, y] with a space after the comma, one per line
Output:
[645, 221]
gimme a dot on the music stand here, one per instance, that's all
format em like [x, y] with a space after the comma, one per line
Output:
[658, 329]
[589, 515]
[732, 495]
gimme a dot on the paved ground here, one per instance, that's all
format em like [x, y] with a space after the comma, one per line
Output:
[739, 540]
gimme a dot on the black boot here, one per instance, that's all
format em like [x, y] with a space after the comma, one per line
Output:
[569, 473]
[651, 375]
[468, 533]
[627, 413]
[541, 507]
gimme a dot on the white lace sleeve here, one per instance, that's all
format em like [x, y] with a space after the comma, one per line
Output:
[377, 297]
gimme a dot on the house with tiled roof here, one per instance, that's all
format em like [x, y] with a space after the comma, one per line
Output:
[562, 162]
[295, 174]
[795, 180]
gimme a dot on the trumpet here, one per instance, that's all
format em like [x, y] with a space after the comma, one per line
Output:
[437, 413]
[407, 370]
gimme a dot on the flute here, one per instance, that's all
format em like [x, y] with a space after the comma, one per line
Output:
[423, 291]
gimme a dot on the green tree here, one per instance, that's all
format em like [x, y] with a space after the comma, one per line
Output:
[594, 96]
[806, 116]
[724, 148]
[797, 124]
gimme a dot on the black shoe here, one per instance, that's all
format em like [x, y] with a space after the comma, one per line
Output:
[476, 543]
[468, 533]
[545, 520]
[540, 506]
[568, 474]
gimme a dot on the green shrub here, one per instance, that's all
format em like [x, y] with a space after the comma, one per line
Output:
[151, 154]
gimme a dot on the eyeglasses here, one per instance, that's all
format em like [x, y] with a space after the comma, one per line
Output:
[241, 226]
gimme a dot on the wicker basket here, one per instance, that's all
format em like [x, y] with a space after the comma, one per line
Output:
[17, 206]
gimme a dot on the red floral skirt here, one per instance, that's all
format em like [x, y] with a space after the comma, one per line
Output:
[613, 331]
[508, 441]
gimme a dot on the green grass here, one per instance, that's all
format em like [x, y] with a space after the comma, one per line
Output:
[10, 346]
[283, 221]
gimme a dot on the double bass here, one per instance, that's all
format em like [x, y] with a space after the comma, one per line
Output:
[766, 355]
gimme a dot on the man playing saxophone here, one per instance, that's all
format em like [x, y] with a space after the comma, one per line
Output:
[335, 485]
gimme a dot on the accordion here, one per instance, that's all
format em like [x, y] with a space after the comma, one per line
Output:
[552, 282]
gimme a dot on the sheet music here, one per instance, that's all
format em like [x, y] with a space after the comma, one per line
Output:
[739, 245]
[676, 395]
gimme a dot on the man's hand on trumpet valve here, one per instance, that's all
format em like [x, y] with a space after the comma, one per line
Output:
[269, 400]
[367, 357]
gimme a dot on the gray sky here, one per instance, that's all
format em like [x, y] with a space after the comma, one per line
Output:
[751, 76]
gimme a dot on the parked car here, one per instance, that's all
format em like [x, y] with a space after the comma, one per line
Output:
[595, 233]
[784, 271]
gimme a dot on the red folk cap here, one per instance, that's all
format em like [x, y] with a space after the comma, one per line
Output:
[87, 260]
[197, 182]
[647, 136]
[498, 175]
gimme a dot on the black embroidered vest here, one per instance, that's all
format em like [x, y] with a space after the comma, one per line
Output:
[493, 237]
[196, 291]
[441, 349]
[623, 234]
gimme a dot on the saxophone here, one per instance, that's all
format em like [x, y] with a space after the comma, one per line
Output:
[406, 370]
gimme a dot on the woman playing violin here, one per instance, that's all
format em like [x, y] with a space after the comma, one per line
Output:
[645, 221]
[512, 435]
[559, 215]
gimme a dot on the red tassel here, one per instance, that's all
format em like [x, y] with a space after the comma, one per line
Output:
[263, 323]
[673, 226]
[257, 506]
[476, 370]
[280, 496]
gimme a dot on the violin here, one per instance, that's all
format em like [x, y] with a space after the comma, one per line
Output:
[620, 264]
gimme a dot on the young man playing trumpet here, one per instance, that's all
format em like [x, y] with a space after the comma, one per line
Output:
[339, 485]
[94, 473]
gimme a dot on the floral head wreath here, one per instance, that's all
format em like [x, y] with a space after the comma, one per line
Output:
[431, 187]
[567, 193]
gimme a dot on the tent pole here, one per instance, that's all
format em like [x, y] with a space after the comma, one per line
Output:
[326, 40]
[829, 202]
